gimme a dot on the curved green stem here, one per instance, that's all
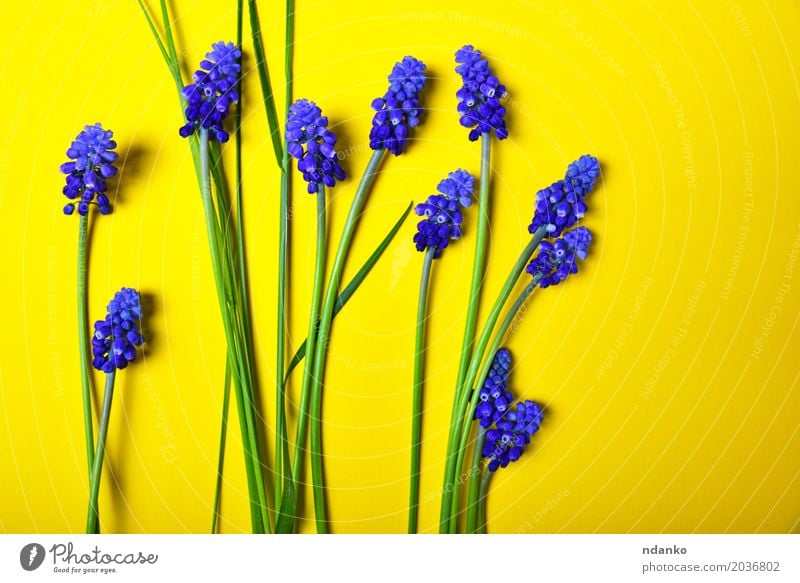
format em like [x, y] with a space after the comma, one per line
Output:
[419, 379]
[281, 432]
[484, 492]
[475, 471]
[468, 388]
[97, 466]
[223, 434]
[83, 339]
[495, 345]
[305, 390]
[323, 334]
[469, 327]
[236, 351]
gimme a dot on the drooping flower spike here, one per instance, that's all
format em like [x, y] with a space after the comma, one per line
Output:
[494, 397]
[398, 110]
[312, 144]
[118, 335]
[442, 212]
[557, 260]
[505, 443]
[92, 154]
[561, 205]
[480, 94]
[213, 91]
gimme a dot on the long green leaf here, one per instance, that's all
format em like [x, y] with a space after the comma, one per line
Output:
[351, 287]
[266, 86]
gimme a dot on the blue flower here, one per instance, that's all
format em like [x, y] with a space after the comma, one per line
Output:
[442, 212]
[505, 443]
[117, 336]
[561, 205]
[494, 397]
[306, 126]
[92, 154]
[213, 91]
[398, 110]
[556, 260]
[480, 94]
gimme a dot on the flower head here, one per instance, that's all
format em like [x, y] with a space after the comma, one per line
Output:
[213, 91]
[398, 110]
[117, 336]
[506, 442]
[480, 94]
[556, 260]
[92, 154]
[561, 205]
[306, 126]
[442, 212]
[494, 397]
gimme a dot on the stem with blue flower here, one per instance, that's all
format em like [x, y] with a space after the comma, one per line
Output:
[456, 455]
[480, 110]
[419, 378]
[114, 344]
[83, 338]
[441, 224]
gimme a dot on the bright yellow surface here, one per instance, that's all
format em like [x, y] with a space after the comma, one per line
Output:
[668, 366]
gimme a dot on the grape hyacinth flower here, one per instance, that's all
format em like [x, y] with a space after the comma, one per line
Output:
[398, 110]
[213, 91]
[506, 442]
[557, 260]
[480, 94]
[92, 154]
[306, 126]
[118, 335]
[494, 397]
[442, 212]
[561, 205]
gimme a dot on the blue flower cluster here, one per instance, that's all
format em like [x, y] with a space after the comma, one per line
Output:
[480, 94]
[506, 442]
[117, 336]
[92, 154]
[442, 212]
[556, 260]
[213, 91]
[398, 110]
[494, 397]
[561, 205]
[306, 126]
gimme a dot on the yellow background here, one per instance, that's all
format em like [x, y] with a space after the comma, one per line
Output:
[668, 366]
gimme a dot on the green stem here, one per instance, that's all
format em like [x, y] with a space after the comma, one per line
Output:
[468, 388]
[475, 470]
[281, 432]
[97, 466]
[484, 492]
[419, 379]
[305, 391]
[469, 327]
[223, 434]
[323, 334]
[83, 339]
[241, 376]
